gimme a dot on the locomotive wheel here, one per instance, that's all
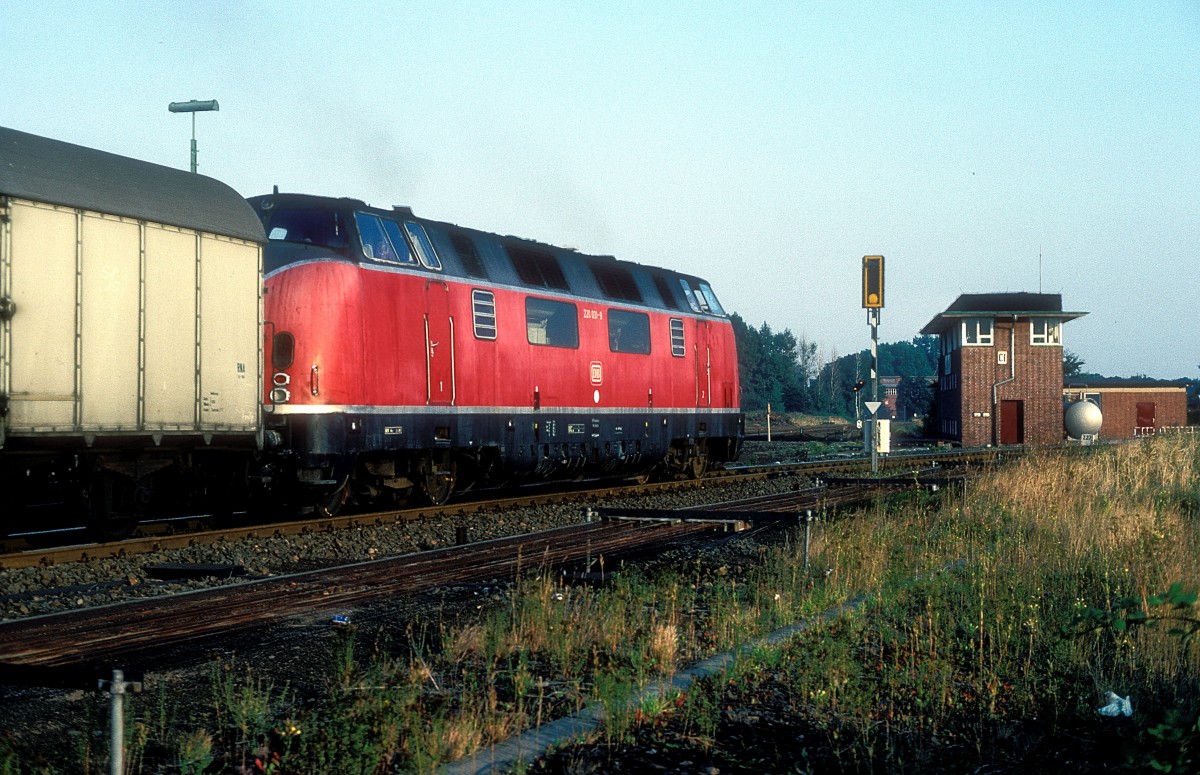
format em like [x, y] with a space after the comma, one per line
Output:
[697, 465]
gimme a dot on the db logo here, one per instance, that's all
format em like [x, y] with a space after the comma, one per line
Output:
[597, 373]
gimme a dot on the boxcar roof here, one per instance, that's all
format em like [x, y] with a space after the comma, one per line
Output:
[51, 171]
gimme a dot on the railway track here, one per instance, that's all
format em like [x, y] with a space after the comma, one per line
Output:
[156, 536]
[93, 639]
[138, 630]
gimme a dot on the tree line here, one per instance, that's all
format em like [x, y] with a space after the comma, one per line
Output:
[794, 374]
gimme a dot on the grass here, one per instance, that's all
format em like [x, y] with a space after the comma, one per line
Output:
[999, 617]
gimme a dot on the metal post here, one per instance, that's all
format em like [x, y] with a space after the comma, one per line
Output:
[873, 320]
[117, 724]
[807, 535]
[193, 143]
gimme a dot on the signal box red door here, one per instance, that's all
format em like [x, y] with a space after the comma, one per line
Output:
[1012, 422]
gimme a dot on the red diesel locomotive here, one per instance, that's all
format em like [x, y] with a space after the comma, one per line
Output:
[405, 354]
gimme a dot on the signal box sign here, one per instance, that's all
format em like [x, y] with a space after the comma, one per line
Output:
[872, 287]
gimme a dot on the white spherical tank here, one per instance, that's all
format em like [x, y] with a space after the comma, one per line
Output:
[1083, 417]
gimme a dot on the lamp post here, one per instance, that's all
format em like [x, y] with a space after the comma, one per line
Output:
[193, 107]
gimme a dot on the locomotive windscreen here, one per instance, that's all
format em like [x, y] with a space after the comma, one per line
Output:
[308, 226]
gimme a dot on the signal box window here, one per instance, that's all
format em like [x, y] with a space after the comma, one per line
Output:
[376, 244]
[628, 332]
[977, 332]
[483, 310]
[1045, 331]
[551, 323]
[678, 346]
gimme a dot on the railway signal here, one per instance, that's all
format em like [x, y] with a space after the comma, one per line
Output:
[872, 301]
[872, 297]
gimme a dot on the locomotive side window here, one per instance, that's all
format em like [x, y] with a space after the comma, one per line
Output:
[422, 246]
[552, 323]
[664, 291]
[376, 244]
[678, 346]
[468, 254]
[483, 310]
[628, 332]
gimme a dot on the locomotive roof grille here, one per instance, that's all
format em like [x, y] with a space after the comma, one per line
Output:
[616, 282]
[51, 171]
[468, 254]
[537, 267]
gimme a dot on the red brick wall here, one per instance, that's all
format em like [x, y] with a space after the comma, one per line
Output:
[1033, 375]
[1119, 407]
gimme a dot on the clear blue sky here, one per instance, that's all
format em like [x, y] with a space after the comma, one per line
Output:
[767, 147]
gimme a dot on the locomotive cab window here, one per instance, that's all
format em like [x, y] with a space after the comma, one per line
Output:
[306, 226]
[628, 332]
[710, 298]
[694, 300]
[422, 246]
[551, 323]
[377, 245]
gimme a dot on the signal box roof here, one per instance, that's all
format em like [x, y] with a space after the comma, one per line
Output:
[1000, 305]
[51, 171]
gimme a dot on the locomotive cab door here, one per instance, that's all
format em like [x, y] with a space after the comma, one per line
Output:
[703, 365]
[439, 344]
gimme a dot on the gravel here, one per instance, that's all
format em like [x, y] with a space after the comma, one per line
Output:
[42, 590]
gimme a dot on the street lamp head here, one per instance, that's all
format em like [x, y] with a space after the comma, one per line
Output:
[193, 106]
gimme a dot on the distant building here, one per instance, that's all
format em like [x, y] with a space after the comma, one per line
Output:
[889, 393]
[1132, 407]
[1000, 372]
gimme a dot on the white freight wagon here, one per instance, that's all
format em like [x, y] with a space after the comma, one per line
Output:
[130, 312]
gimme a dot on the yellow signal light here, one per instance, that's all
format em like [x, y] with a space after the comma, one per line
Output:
[872, 294]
